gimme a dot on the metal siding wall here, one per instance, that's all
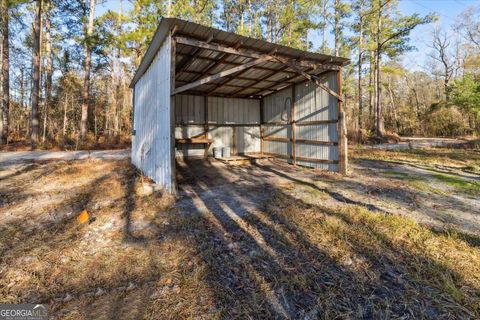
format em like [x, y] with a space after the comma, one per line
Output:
[276, 108]
[190, 109]
[314, 104]
[248, 139]
[151, 151]
[233, 111]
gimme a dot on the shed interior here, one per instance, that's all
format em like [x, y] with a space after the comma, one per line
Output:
[269, 107]
[199, 88]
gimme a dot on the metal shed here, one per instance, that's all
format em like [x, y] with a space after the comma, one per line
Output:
[198, 87]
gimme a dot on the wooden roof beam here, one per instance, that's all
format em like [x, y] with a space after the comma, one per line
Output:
[221, 74]
[188, 60]
[307, 76]
[260, 80]
[247, 53]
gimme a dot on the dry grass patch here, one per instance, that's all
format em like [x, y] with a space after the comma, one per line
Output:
[143, 257]
[374, 245]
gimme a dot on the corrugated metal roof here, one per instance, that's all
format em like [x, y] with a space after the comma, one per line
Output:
[206, 62]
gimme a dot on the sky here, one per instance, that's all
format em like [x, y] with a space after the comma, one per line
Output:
[446, 10]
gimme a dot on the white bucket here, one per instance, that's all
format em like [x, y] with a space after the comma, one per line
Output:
[226, 152]
[217, 152]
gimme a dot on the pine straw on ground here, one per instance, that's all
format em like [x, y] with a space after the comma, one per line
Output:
[141, 257]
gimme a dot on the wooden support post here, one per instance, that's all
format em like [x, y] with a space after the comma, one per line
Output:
[234, 141]
[205, 126]
[341, 129]
[261, 126]
[172, 114]
[293, 126]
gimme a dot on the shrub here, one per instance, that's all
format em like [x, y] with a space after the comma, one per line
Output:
[445, 122]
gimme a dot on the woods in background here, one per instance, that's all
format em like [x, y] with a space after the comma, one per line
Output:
[65, 70]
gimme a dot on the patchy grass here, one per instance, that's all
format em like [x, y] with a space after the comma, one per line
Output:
[143, 257]
[463, 159]
[461, 185]
[414, 181]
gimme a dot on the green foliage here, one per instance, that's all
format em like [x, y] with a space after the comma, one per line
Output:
[465, 93]
[145, 16]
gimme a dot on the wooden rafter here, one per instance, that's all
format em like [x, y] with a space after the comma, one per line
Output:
[221, 74]
[309, 77]
[228, 80]
[273, 87]
[271, 74]
[221, 59]
[217, 47]
[216, 62]
[248, 53]
[188, 60]
[229, 85]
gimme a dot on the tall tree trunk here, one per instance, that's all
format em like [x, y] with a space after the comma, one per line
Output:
[360, 62]
[371, 91]
[5, 73]
[392, 103]
[324, 31]
[65, 107]
[87, 67]
[37, 32]
[48, 80]
[380, 129]
[336, 27]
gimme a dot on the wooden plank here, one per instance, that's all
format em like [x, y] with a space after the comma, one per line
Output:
[193, 141]
[219, 124]
[173, 50]
[271, 74]
[188, 60]
[218, 47]
[262, 117]
[309, 77]
[277, 139]
[306, 141]
[278, 155]
[342, 131]
[220, 75]
[317, 160]
[316, 142]
[293, 126]
[315, 122]
[249, 53]
[275, 123]
[222, 60]
[205, 127]
[234, 141]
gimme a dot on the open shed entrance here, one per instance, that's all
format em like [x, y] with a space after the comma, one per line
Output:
[244, 94]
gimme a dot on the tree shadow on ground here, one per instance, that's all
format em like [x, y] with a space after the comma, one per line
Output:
[291, 275]
[259, 255]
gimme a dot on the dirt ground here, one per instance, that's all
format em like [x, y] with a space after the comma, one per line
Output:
[397, 238]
